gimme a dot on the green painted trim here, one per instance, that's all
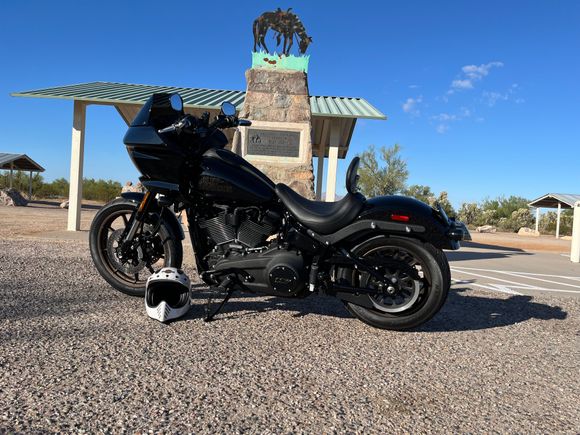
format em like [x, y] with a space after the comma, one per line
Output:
[262, 59]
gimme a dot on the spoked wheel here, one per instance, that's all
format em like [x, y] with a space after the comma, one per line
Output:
[410, 283]
[128, 266]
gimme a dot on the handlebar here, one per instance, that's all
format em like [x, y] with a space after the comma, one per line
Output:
[222, 121]
[178, 126]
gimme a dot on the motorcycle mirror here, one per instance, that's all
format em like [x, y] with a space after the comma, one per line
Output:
[228, 109]
[176, 102]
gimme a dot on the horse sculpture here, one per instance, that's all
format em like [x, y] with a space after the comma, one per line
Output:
[284, 23]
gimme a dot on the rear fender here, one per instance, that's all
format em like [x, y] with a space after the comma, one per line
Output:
[400, 216]
[169, 217]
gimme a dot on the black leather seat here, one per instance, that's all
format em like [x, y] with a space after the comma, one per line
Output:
[325, 217]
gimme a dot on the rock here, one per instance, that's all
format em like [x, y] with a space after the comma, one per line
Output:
[528, 232]
[129, 187]
[64, 204]
[12, 198]
[566, 238]
[486, 229]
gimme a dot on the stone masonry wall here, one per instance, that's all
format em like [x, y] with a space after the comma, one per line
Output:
[282, 96]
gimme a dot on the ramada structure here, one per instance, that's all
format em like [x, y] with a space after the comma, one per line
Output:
[19, 162]
[334, 120]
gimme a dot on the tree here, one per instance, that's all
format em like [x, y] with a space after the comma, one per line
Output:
[388, 179]
[443, 201]
[522, 218]
[470, 213]
[504, 207]
[420, 192]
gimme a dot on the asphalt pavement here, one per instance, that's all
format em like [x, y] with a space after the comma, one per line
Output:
[515, 271]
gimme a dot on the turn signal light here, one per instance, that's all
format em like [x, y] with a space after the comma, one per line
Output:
[400, 217]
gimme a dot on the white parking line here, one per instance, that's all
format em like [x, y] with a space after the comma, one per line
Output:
[528, 276]
[506, 289]
[576, 278]
[498, 288]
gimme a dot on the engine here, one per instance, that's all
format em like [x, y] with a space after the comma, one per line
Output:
[241, 244]
[245, 226]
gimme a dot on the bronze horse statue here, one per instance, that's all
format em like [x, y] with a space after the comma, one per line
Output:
[284, 23]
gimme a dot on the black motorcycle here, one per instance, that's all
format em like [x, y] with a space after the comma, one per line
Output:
[381, 256]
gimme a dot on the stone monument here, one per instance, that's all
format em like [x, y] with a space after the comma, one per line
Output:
[278, 104]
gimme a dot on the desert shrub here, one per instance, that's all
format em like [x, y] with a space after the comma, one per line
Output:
[420, 192]
[548, 222]
[443, 200]
[522, 218]
[469, 213]
[100, 190]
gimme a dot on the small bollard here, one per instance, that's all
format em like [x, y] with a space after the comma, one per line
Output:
[575, 251]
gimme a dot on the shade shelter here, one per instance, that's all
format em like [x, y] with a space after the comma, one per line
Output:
[20, 162]
[334, 120]
[558, 201]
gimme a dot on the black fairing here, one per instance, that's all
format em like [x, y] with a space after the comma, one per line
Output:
[225, 175]
[420, 214]
[157, 157]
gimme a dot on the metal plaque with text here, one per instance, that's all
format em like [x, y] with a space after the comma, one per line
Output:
[275, 143]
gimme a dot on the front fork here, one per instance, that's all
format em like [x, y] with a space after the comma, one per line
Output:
[137, 220]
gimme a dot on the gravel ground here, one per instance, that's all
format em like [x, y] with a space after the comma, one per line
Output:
[78, 356]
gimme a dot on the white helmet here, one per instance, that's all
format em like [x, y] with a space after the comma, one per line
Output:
[167, 294]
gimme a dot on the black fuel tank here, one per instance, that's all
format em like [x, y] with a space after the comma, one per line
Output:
[227, 176]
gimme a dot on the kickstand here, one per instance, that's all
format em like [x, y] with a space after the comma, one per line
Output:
[224, 285]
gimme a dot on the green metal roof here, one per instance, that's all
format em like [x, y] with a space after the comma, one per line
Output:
[122, 93]
[19, 162]
[551, 200]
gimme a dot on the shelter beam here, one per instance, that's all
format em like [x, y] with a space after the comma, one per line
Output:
[76, 166]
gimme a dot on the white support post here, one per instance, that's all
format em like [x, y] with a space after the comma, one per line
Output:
[76, 166]
[320, 170]
[11, 173]
[558, 221]
[30, 186]
[575, 250]
[537, 219]
[332, 161]
[321, 152]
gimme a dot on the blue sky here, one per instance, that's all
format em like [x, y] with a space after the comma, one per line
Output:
[482, 96]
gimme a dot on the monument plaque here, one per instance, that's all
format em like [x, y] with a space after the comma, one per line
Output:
[275, 143]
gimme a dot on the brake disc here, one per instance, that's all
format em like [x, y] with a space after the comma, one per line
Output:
[129, 266]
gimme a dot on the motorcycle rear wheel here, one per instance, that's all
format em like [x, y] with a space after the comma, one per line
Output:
[131, 280]
[422, 283]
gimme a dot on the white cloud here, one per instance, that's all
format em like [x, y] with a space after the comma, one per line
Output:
[444, 119]
[413, 86]
[410, 106]
[471, 74]
[462, 84]
[491, 98]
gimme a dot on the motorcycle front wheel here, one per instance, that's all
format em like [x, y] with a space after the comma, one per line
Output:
[129, 275]
[415, 285]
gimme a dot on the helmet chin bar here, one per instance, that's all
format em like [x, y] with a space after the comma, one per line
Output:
[168, 294]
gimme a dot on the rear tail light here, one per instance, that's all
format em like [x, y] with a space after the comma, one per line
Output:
[400, 217]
